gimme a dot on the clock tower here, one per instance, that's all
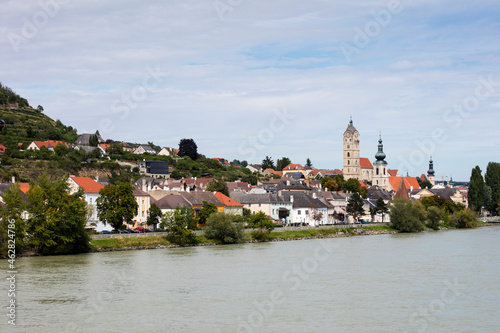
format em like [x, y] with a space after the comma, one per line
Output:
[351, 153]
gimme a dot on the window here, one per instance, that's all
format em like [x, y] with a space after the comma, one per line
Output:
[348, 154]
[377, 174]
[298, 212]
[90, 200]
[348, 162]
[142, 214]
[143, 202]
[260, 205]
[384, 171]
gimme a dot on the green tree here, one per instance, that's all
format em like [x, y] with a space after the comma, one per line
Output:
[179, 225]
[330, 184]
[154, 215]
[381, 208]
[39, 108]
[407, 216]
[12, 215]
[492, 179]
[476, 189]
[434, 216]
[355, 206]
[308, 163]
[222, 229]
[187, 147]
[352, 185]
[267, 163]
[207, 210]
[218, 185]
[116, 204]
[463, 219]
[57, 219]
[263, 224]
[93, 140]
[282, 163]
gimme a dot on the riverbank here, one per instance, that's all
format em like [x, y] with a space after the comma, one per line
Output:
[160, 242]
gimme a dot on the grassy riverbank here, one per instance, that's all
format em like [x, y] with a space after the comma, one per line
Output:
[150, 242]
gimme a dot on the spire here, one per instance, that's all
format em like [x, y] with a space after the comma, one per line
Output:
[380, 155]
[431, 171]
[350, 122]
[402, 192]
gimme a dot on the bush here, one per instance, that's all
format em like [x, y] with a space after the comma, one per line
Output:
[407, 216]
[434, 216]
[463, 219]
[261, 235]
[222, 229]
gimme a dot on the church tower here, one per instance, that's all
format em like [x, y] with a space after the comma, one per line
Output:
[430, 173]
[380, 174]
[351, 153]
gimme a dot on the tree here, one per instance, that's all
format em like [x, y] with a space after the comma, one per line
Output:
[476, 189]
[463, 219]
[187, 147]
[407, 216]
[316, 215]
[308, 163]
[434, 216]
[116, 204]
[57, 219]
[355, 206]
[282, 163]
[352, 185]
[39, 108]
[264, 225]
[179, 225]
[11, 215]
[381, 208]
[207, 210]
[222, 229]
[267, 163]
[424, 184]
[492, 179]
[93, 140]
[154, 215]
[218, 185]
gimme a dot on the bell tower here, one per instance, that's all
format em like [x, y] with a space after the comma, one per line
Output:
[430, 173]
[380, 174]
[351, 153]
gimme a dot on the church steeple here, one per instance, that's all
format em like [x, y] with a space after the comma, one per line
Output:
[431, 171]
[380, 155]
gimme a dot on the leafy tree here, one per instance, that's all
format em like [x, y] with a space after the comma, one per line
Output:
[424, 184]
[407, 216]
[218, 185]
[381, 208]
[330, 184]
[355, 206]
[282, 163]
[463, 219]
[352, 185]
[57, 219]
[116, 204]
[476, 189]
[492, 179]
[267, 163]
[222, 229]
[434, 216]
[179, 225]
[308, 163]
[154, 215]
[12, 214]
[488, 199]
[264, 225]
[187, 147]
[207, 210]
[93, 140]
[39, 108]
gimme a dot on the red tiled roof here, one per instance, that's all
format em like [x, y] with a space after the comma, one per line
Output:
[52, 143]
[227, 201]
[365, 163]
[409, 182]
[88, 184]
[24, 187]
[393, 172]
[292, 166]
[362, 184]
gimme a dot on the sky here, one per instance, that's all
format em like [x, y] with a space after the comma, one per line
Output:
[250, 79]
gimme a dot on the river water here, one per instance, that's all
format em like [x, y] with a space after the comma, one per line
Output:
[444, 281]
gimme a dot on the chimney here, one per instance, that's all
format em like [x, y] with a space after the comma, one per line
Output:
[13, 179]
[314, 196]
[291, 198]
[287, 183]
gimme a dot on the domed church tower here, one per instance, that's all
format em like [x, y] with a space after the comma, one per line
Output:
[380, 174]
[351, 153]
[430, 173]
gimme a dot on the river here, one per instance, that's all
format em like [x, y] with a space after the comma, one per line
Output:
[445, 281]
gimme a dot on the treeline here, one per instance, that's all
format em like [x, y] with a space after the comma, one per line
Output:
[8, 96]
[484, 193]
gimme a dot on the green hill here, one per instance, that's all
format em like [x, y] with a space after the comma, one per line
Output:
[25, 124]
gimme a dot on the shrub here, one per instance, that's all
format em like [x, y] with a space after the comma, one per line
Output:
[434, 215]
[463, 219]
[407, 216]
[222, 229]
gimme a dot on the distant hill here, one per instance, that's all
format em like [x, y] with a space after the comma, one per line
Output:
[25, 124]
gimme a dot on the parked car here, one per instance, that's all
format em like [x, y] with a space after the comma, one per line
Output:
[132, 231]
[124, 231]
[147, 230]
[106, 232]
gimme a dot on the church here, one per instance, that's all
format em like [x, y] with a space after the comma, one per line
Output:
[360, 167]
